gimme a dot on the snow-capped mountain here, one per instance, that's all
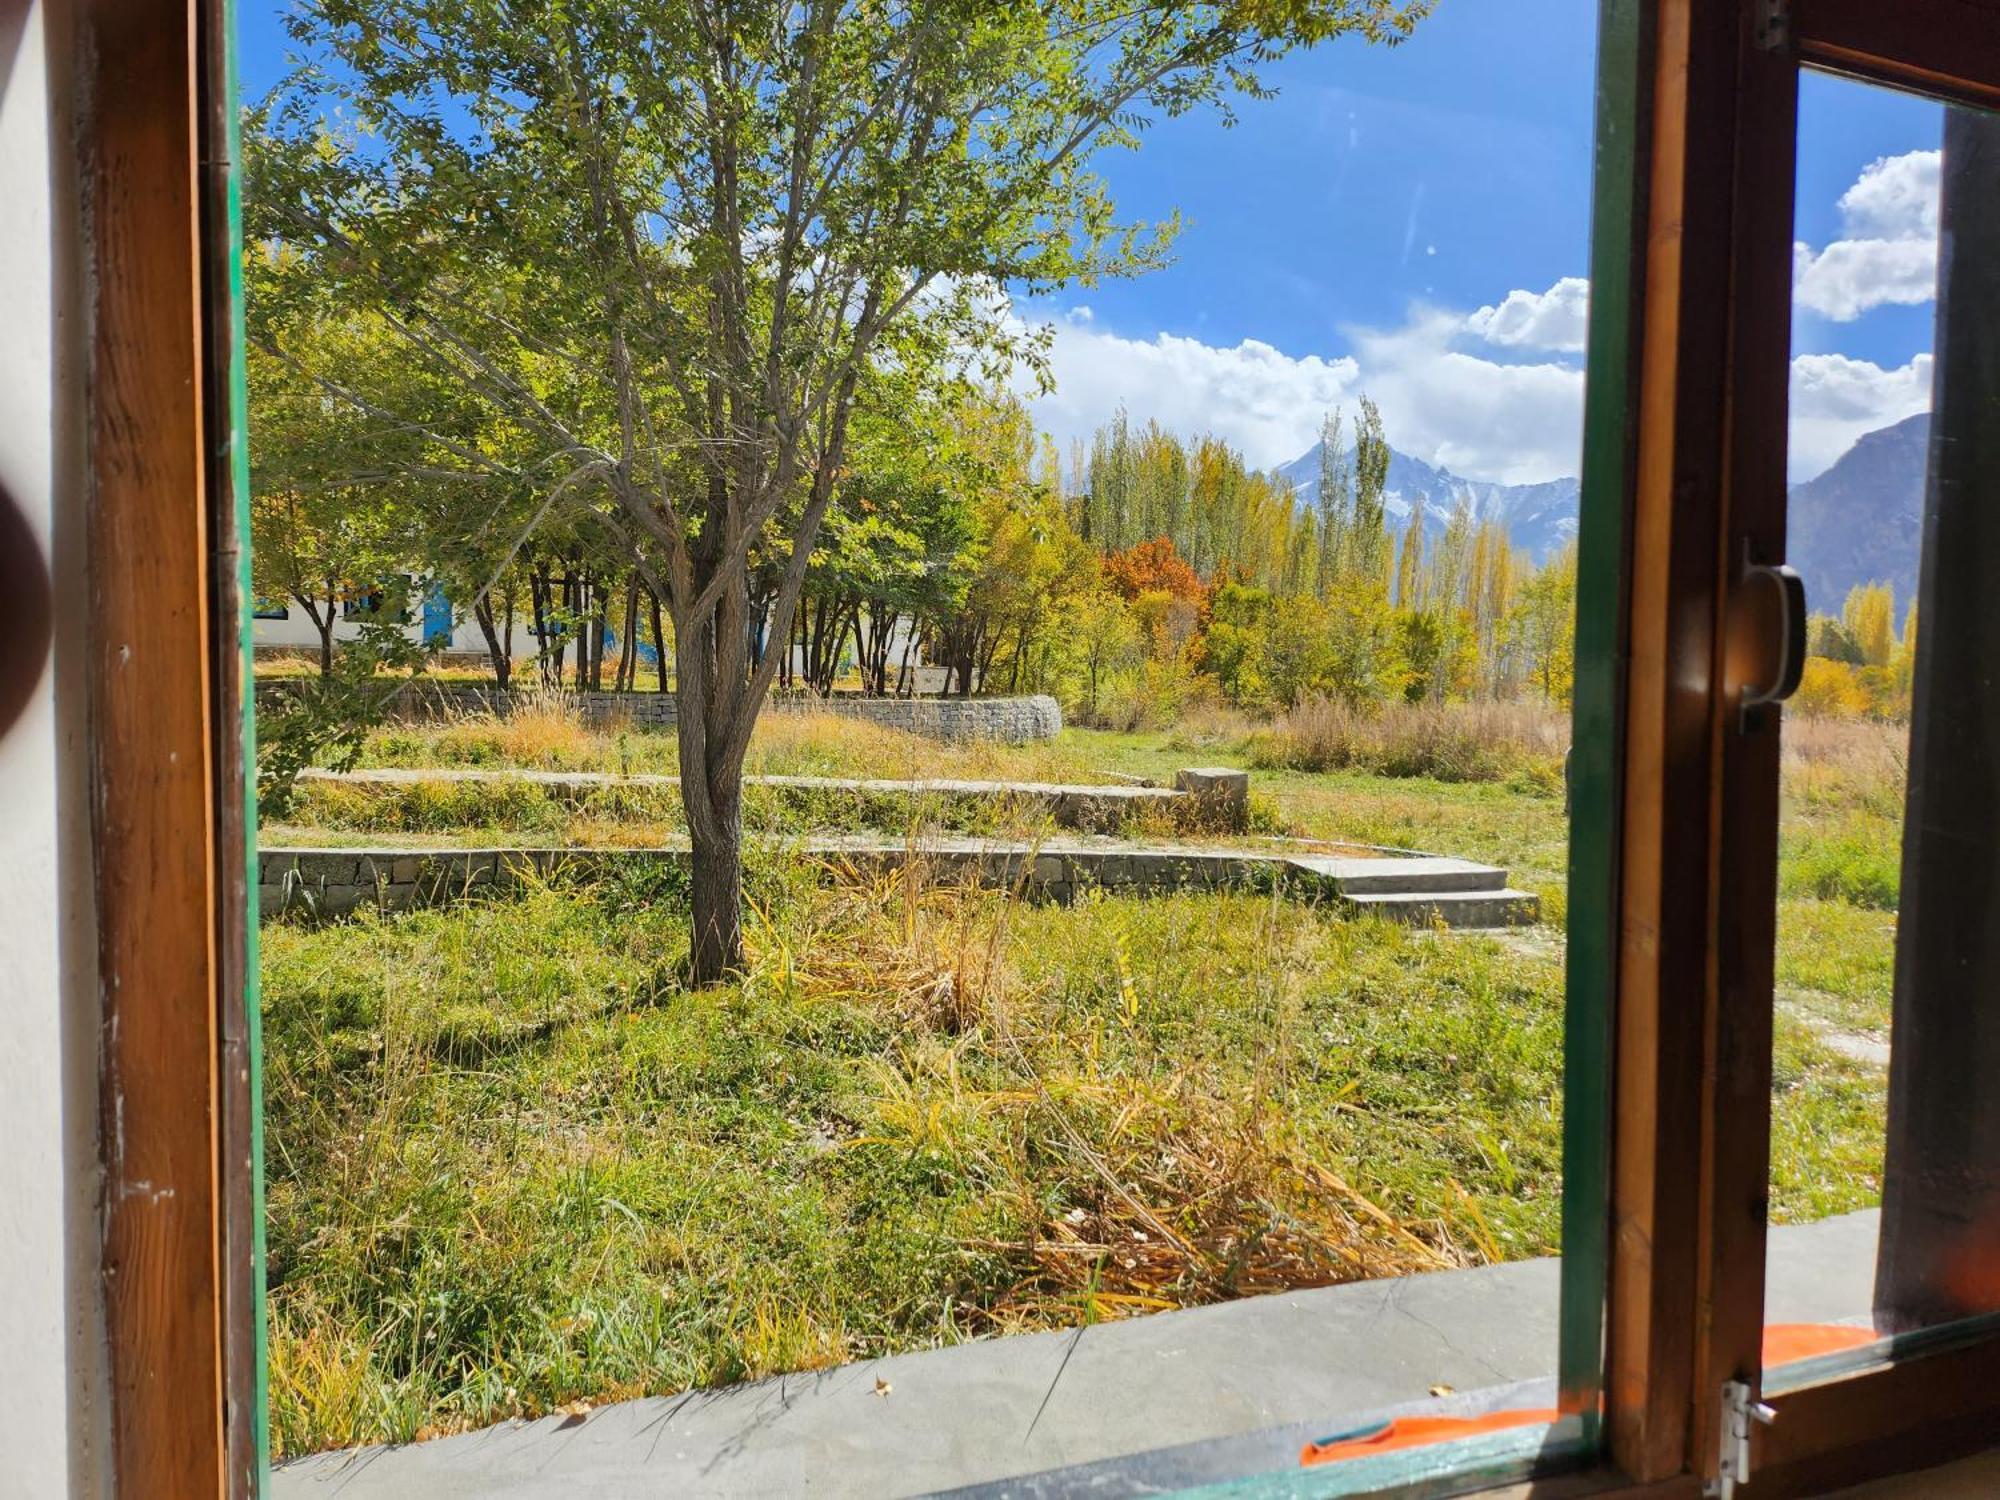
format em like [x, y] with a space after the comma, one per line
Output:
[1539, 517]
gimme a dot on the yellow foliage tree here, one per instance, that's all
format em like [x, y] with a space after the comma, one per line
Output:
[1870, 615]
[1829, 689]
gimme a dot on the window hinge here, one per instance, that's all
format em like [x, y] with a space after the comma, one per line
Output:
[1741, 1411]
[1774, 24]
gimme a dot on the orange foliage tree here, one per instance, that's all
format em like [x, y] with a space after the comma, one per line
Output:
[1153, 568]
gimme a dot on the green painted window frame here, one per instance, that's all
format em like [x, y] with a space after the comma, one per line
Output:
[236, 466]
[1621, 91]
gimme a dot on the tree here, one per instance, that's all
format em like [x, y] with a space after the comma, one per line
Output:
[1025, 560]
[1106, 639]
[1410, 560]
[1366, 558]
[1364, 661]
[1333, 503]
[1152, 567]
[324, 534]
[1870, 617]
[1543, 625]
[671, 242]
[1828, 688]
[1236, 646]
[1830, 638]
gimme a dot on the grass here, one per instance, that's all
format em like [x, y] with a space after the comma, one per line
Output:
[1838, 961]
[514, 1166]
[546, 733]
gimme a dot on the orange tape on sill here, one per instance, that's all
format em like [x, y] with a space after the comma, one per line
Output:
[1783, 1343]
[1415, 1432]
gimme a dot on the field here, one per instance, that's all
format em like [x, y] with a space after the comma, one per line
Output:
[514, 1165]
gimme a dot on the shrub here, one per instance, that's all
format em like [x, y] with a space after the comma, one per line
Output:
[1829, 689]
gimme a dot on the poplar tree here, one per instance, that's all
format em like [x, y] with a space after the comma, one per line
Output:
[1333, 502]
[1368, 540]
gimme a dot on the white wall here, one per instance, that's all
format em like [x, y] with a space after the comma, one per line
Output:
[297, 630]
[53, 1439]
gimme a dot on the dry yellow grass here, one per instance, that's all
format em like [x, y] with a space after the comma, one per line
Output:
[1445, 741]
[546, 731]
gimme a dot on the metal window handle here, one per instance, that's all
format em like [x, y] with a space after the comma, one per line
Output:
[1791, 633]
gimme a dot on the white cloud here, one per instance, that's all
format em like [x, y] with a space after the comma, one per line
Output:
[1509, 422]
[1894, 197]
[1836, 399]
[1848, 277]
[1264, 401]
[1887, 253]
[1513, 423]
[1556, 319]
[1486, 420]
[1443, 402]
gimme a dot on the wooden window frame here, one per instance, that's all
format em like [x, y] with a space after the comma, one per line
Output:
[1708, 144]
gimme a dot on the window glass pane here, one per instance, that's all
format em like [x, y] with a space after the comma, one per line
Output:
[908, 841]
[1886, 1159]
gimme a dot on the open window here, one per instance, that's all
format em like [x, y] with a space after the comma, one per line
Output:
[1677, 940]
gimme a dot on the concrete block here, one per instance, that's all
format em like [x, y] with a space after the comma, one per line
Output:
[323, 867]
[339, 900]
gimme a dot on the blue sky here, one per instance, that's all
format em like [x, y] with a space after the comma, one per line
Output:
[1346, 236]
[1378, 175]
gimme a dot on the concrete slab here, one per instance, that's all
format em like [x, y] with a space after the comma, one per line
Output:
[1230, 1389]
[1390, 874]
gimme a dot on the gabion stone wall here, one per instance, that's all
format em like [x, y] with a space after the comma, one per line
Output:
[1009, 720]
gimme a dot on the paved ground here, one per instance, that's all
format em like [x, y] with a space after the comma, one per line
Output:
[1224, 1391]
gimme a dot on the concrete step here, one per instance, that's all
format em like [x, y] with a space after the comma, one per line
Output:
[1456, 909]
[1391, 875]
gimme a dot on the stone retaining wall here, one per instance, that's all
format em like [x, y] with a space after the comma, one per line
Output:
[333, 882]
[1424, 889]
[1009, 720]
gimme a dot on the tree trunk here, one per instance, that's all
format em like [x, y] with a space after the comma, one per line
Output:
[577, 625]
[628, 640]
[659, 643]
[548, 645]
[323, 623]
[600, 626]
[709, 698]
[482, 611]
[716, 893]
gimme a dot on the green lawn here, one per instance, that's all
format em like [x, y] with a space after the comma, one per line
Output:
[514, 1165]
